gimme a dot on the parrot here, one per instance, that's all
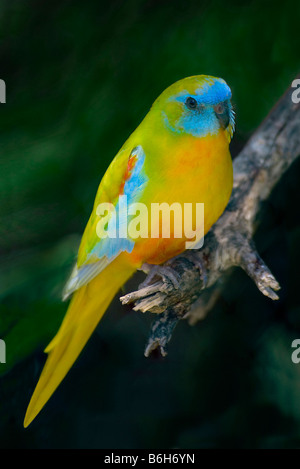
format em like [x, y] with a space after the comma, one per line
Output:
[179, 153]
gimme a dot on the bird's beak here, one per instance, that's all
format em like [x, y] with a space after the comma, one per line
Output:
[223, 114]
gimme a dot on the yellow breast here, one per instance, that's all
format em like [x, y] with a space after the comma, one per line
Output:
[194, 171]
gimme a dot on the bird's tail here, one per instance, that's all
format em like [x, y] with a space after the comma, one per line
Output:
[86, 309]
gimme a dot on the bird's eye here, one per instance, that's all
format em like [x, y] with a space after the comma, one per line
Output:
[219, 108]
[191, 103]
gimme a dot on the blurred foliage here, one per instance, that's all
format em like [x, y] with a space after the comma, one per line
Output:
[80, 76]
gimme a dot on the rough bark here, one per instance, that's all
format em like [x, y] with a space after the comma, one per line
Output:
[259, 166]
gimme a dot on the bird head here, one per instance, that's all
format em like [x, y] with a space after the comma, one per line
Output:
[199, 105]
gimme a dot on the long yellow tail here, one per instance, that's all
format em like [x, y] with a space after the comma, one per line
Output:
[86, 309]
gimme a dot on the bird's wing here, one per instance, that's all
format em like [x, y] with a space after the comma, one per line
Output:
[124, 176]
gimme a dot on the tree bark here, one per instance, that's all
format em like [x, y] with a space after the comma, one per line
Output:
[259, 166]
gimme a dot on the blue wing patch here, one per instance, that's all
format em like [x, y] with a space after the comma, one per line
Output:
[109, 247]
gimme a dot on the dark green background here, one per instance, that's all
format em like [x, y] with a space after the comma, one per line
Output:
[80, 76]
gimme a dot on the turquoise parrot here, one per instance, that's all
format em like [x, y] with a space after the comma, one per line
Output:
[178, 154]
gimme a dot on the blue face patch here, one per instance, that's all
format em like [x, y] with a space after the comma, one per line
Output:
[214, 93]
[211, 92]
[201, 121]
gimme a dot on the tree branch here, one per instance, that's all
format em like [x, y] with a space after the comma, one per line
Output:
[257, 169]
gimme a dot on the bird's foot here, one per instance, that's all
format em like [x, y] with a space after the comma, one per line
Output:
[165, 272]
[199, 263]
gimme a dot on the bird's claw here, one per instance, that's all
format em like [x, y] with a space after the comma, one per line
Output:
[199, 263]
[166, 273]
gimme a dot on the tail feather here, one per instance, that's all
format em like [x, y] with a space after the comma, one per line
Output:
[87, 307]
[78, 303]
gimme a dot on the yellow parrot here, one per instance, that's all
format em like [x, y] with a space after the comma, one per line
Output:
[178, 154]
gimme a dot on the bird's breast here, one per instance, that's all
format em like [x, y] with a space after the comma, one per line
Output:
[193, 171]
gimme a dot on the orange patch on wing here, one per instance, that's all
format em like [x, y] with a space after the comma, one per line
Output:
[130, 165]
